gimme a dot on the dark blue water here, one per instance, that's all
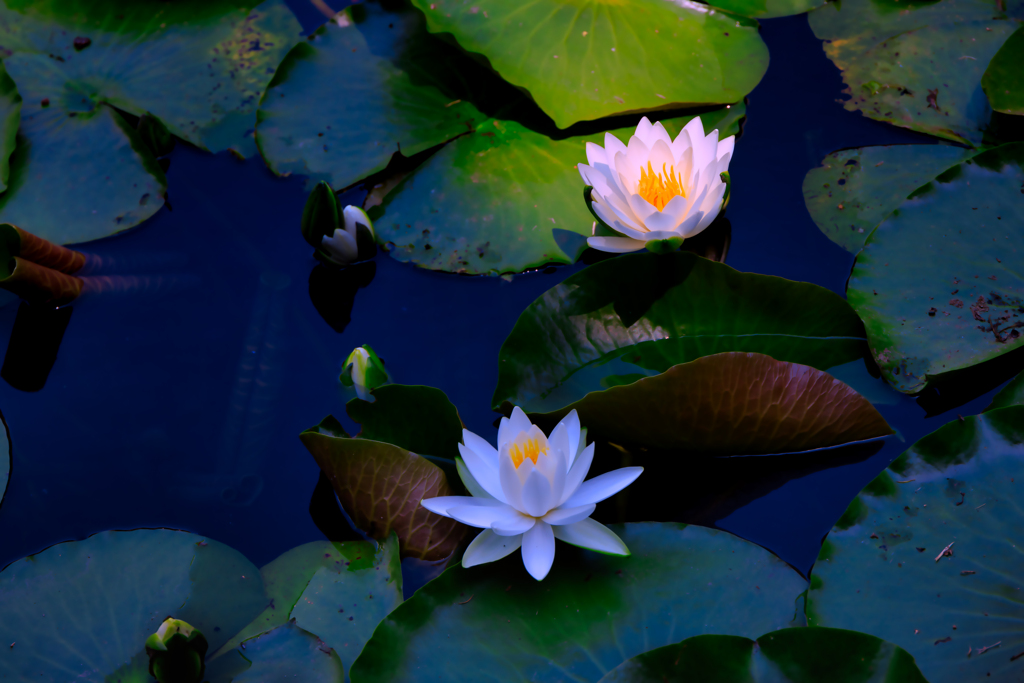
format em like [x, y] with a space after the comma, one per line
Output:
[178, 403]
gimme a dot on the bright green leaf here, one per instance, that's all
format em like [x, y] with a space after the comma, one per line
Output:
[767, 9]
[416, 418]
[1003, 80]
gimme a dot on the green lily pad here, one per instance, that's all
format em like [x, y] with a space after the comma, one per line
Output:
[339, 591]
[768, 9]
[640, 314]
[937, 283]
[10, 117]
[855, 189]
[381, 486]
[416, 418]
[6, 456]
[1010, 395]
[1003, 82]
[590, 614]
[83, 609]
[927, 556]
[732, 404]
[278, 654]
[489, 202]
[792, 655]
[917, 65]
[634, 52]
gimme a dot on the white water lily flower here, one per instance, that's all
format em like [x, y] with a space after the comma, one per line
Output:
[656, 188]
[343, 246]
[530, 491]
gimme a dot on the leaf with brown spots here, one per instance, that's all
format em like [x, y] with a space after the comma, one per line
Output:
[381, 486]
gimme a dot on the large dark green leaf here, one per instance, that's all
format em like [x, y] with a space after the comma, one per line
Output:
[916, 64]
[83, 609]
[416, 418]
[339, 591]
[1004, 79]
[285, 654]
[10, 117]
[732, 404]
[938, 284]
[855, 189]
[1011, 395]
[640, 314]
[767, 9]
[381, 486]
[929, 555]
[589, 615]
[792, 655]
[634, 52]
[490, 202]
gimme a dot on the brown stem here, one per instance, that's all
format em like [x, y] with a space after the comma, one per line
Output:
[46, 253]
[39, 284]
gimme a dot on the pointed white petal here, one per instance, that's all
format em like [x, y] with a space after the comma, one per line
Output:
[658, 132]
[537, 499]
[706, 151]
[441, 504]
[514, 525]
[572, 424]
[603, 486]
[629, 166]
[354, 215]
[470, 482]
[661, 157]
[517, 422]
[643, 131]
[596, 154]
[482, 471]
[566, 515]
[726, 146]
[539, 550]
[552, 465]
[619, 217]
[641, 208]
[615, 245]
[484, 516]
[669, 218]
[480, 446]
[488, 547]
[577, 473]
[341, 246]
[694, 130]
[688, 228]
[592, 535]
[511, 485]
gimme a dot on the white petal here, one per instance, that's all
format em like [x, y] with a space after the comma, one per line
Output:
[637, 154]
[615, 245]
[472, 485]
[568, 515]
[514, 525]
[577, 473]
[539, 550]
[603, 486]
[726, 146]
[669, 218]
[537, 498]
[694, 131]
[706, 151]
[488, 547]
[484, 516]
[713, 210]
[658, 132]
[642, 208]
[612, 148]
[511, 426]
[688, 227]
[441, 504]
[341, 246]
[572, 424]
[482, 471]
[592, 535]
[552, 465]
[354, 215]
[619, 218]
[511, 485]
[596, 154]
[683, 153]
[661, 157]
[480, 446]
[643, 131]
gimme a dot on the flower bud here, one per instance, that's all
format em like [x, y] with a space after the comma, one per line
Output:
[321, 216]
[364, 371]
[177, 653]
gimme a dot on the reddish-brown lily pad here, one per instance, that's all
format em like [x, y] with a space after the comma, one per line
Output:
[733, 404]
[381, 486]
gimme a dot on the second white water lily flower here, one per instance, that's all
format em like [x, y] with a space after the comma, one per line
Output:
[655, 192]
[530, 491]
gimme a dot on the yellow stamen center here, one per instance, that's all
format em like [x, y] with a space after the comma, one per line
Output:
[660, 188]
[527, 448]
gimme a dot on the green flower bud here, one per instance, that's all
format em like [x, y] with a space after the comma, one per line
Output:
[321, 216]
[364, 371]
[177, 653]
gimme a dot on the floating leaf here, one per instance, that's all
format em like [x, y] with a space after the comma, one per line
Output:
[795, 655]
[381, 486]
[1003, 82]
[489, 202]
[339, 591]
[83, 609]
[634, 52]
[732, 404]
[855, 189]
[278, 654]
[644, 313]
[937, 283]
[928, 555]
[416, 418]
[10, 117]
[767, 9]
[1010, 395]
[591, 613]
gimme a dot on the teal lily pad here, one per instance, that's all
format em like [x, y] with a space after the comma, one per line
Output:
[1003, 81]
[634, 52]
[917, 65]
[417, 418]
[590, 614]
[937, 282]
[1010, 395]
[10, 117]
[284, 654]
[792, 655]
[855, 189]
[339, 591]
[490, 202]
[640, 314]
[768, 9]
[928, 555]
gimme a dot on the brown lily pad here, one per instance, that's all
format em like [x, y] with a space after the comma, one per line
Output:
[733, 404]
[381, 486]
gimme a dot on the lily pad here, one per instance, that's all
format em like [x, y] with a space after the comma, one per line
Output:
[590, 614]
[381, 486]
[339, 591]
[640, 314]
[489, 202]
[937, 282]
[278, 654]
[1003, 82]
[416, 418]
[855, 189]
[732, 404]
[916, 65]
[83, 609]
[1010, 395]
[768, 9]
[928, 555]
[792, 655]
[634, 52]
[10, 117]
